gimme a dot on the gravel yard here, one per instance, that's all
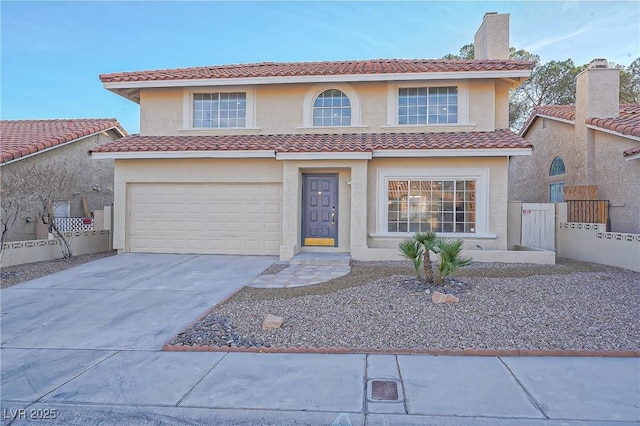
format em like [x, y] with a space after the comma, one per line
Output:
[17, 274]
[572, 305]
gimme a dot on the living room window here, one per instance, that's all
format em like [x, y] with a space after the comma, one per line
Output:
[446, 201]
[428, 105]
[417, 205]
[332, 108]
[219, 110]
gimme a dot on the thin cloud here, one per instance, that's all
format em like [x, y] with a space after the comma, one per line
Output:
[551, 41]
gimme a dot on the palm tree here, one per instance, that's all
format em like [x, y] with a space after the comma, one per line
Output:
[412, 250]
[428, 242]
[450, 259]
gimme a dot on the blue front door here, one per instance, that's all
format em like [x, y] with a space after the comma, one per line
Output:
[320, 210]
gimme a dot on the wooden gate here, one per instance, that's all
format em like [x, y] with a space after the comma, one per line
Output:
[539, 225]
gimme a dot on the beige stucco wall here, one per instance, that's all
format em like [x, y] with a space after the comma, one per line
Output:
[82, 242]
[590, 243]
[494, 238]
[279, 109]
[482, 105]
[618, 181]
[529, 178]
[89, 172]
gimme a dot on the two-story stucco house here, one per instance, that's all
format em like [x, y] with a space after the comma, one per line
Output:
[349, 156]
[594, 143]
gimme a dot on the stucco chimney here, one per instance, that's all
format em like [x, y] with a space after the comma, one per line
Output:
[597, 96]
[597, 91]
[492, 38]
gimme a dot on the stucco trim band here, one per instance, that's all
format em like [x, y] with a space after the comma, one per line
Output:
[317, 79]
[458, 152]
[330, 155]
[184, 154]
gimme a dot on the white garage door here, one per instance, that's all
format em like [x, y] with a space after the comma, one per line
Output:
[210, 218]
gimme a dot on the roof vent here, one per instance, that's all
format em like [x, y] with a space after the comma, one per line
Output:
[599, 63]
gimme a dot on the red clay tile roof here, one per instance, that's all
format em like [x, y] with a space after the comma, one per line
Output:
[359, 142]
[565, 112]
[296, 69]
[632, 151]
[24, 137]
[628, 122]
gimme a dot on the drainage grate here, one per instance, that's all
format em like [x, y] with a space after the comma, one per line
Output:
[384, 390]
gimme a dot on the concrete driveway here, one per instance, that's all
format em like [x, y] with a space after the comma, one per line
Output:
[130, 301]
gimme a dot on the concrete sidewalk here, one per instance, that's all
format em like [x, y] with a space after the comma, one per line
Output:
[87, 387]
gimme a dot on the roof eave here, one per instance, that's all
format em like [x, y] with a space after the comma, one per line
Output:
[455, 152]
[635, 156]
[130, 89]
[322, 155]
[612, 132]
[137, 155]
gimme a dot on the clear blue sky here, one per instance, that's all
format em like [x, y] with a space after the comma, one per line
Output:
[52, 52]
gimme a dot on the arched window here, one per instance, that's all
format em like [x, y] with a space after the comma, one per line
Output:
[332, 108]
[557, 167]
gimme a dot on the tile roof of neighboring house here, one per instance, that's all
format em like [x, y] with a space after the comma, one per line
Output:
[632, 151]
[296, 69]
[359, 142]
[20, 138]
[627, 123]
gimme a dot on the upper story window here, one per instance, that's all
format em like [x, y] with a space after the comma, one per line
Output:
[331, 105]
[332, 108]
[557, 167]
[428, 105]
[219, 110]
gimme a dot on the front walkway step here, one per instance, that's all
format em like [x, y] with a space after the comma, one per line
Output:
[321, 259]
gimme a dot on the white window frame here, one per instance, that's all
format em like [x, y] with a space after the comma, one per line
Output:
[316, 90]
[393, 90]
[479, 175]
[188, 101]
[554, 184]
[61, 206]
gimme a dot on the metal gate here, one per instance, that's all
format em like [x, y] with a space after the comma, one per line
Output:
[539, 225]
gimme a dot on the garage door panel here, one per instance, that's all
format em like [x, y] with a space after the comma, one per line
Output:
[205, 218]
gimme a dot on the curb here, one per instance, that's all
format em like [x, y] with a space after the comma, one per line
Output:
[438, 352]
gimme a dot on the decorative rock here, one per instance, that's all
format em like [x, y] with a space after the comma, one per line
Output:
[272, 321]
[439, 298]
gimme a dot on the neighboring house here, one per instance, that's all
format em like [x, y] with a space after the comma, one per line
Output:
[26, 144]
[593, 143]
[349, 156]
